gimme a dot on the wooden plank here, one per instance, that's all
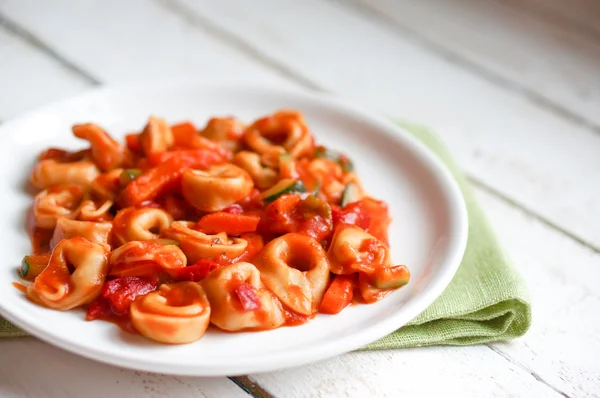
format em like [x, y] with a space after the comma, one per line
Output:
[563, 343]
[283, 41]
[535, 356]
[582, 15]
[560, 349]
[41, 370]
[550, 63]
[29, 79]
[135, 40]
[426, 372]
[535, 157]
[424, 89]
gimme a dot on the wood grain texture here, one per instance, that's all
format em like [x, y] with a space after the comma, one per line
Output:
[31, 368]
[499, 138]
[560, 350]
[135, 40]
[539, 159]
[553, 64]
[562, 344]
[29, 79]
[426, 372]
[579, 15]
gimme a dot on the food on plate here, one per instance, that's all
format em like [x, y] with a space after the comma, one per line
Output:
[245, 227]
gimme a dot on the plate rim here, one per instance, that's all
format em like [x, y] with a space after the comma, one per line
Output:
[282, 360]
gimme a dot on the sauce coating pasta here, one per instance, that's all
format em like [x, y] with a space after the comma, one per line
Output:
[246, 227]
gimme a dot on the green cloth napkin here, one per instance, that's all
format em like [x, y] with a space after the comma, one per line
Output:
[486, 301]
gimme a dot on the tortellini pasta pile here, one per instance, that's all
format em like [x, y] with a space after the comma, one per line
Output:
[245, 227]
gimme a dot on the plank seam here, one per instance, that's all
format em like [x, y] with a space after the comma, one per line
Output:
[545, 13]
[204, 24]
[243, 46]
[250, 387]
[229, 38]
[531, 372]
[513, 203]
[447, 54]
[18, 30]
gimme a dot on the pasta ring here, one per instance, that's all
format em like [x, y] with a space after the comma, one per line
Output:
[197, 245]
[140, 224]
[295, 268]
[176, 313]
[227, 310]
[95, 232]
[145, 259]
[74, 276]
[157, 136]
[106, 152]
[263, 177]
[107, 185]
[225, 130]
[354, 250]
[54, 203]
[216, 188]
[285, 127]
[89, 210]
[49, 172]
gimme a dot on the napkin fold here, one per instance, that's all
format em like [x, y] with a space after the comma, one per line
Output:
[487, 299]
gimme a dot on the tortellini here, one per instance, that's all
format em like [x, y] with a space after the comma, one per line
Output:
[239, 300]
[54, 203]
[197, 245]
[90, 210]
[140, 224]
[248, 227]
[49, 172]
[354, 250]
[216, 188]
[74, 276]
[330, 176]
[95, 232]
[176, 313]
[107, 185]
[146, 259]
[284, 131]
[263, 176]
[295, 268]
[157, 136]
[107, 153]
[224, 130]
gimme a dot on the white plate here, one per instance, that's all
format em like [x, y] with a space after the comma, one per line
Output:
[428, 231]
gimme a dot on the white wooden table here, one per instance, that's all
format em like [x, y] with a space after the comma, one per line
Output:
[512, 86]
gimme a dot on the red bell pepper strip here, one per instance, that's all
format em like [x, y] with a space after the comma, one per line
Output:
[183, 134]
[178, 208]
[246, 293]
[339, 295]
[290, 213]
[195, 272]
[351, 214]
[118, 294]
[195, 158]
[154, 182]
[233, 224]
[133, 143]
[233, 209]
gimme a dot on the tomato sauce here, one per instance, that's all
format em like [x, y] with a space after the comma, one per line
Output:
[20, 287]
[311, 206]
